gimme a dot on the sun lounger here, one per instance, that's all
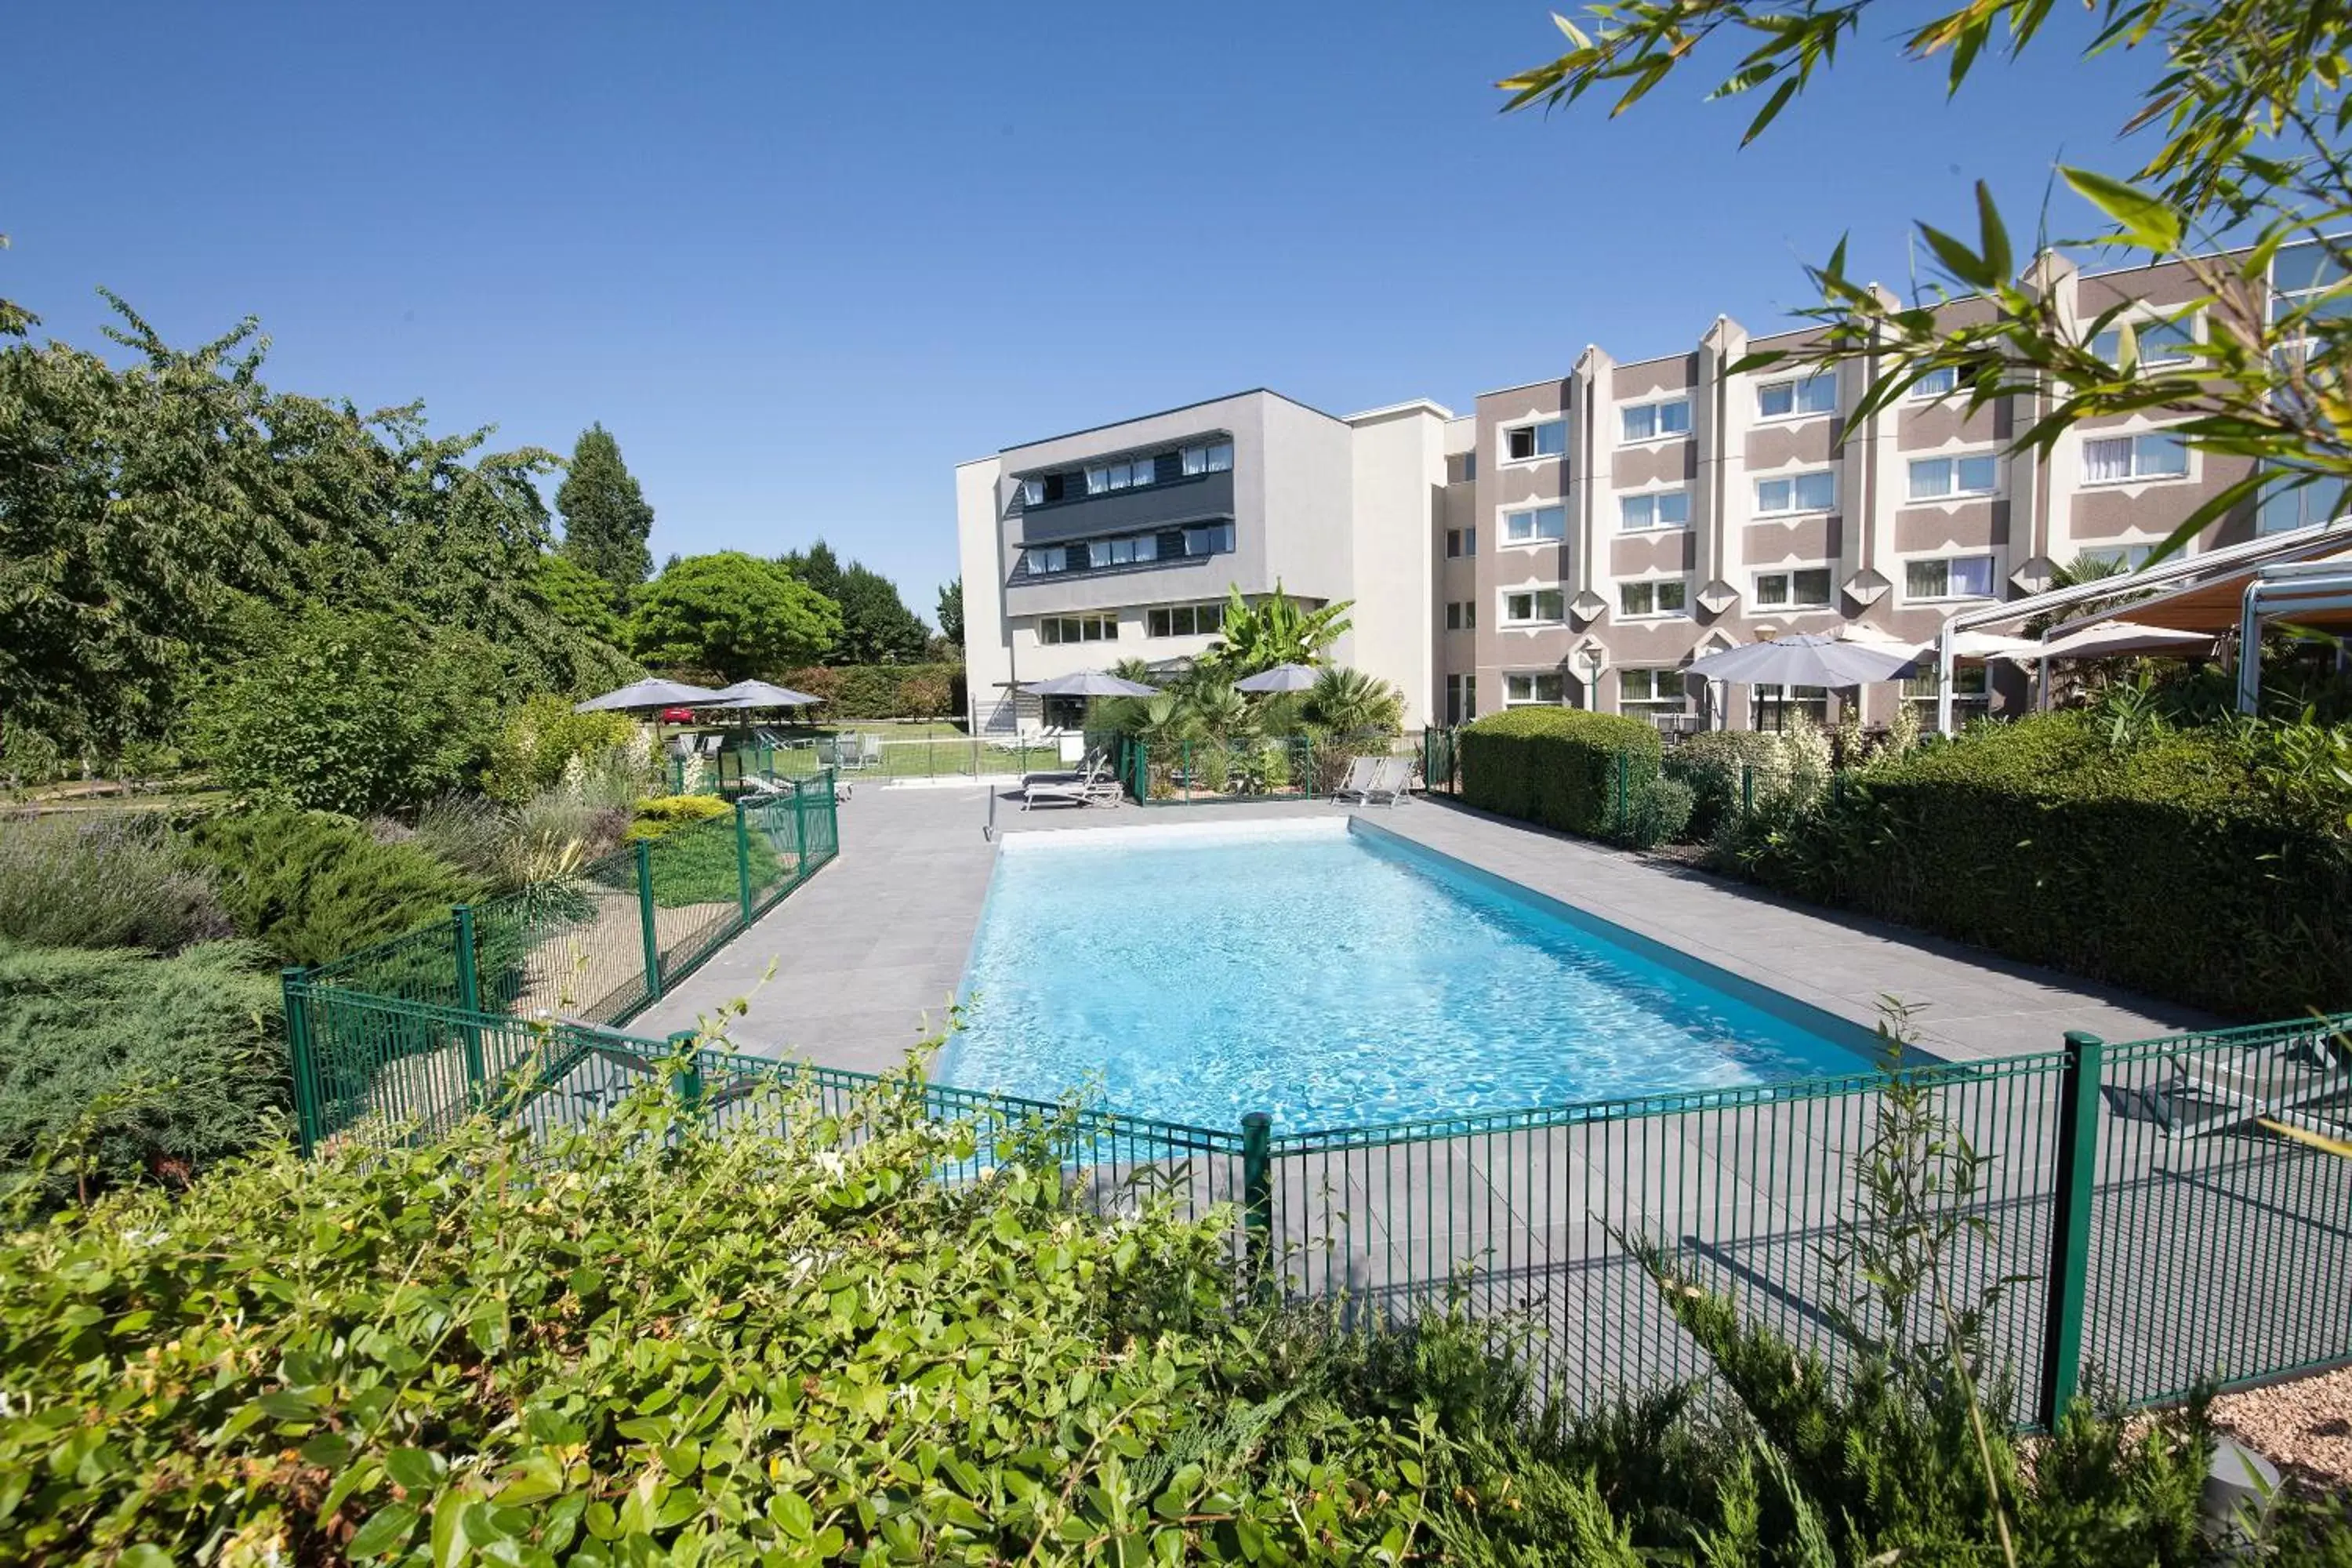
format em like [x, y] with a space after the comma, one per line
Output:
[1359, 779]
[1096, 786]
[1391, 778]
[2301, 1087]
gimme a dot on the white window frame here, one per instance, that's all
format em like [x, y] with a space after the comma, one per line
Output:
[1659, 674]
[1532, 675]
[1531, 591]
[1791, 605]
[1921, 688]
[2093, 438]
[2131, 552]
[1676, 578]
[1797, 383]
[1207, 454]
[1911, 496]
[1947, 596]
[1503, 516]
[1037, 556]
[1651, 496]
[1033, 490]
[1816, 706]
[1936, 384]
[1216, 606]
[1503, 437]
[1106, 620]
[2139, 321]
[1790, 477]
[1652, 405]
[1120, 475]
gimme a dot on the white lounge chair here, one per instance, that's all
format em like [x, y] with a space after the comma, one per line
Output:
[2300, 1087]
[1359, 779]
[1096, 786]
[1391, 778]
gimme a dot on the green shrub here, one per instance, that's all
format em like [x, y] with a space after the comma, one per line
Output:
[1558, 766]
[311, 886]
[108, 881]
[1716, 765]
[544, 738]
[354, 712]
[662, 814]
[881, 690]
[2159, 865]
[119, 1067]
[699, 864]
[1660, 815]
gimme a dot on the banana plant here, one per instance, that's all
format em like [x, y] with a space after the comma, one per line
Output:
[1276, 630]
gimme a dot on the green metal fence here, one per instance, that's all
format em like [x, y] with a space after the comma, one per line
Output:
[853, 754]
[1272, 767]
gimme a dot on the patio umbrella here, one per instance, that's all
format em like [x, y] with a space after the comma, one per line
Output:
[1992, 645]
[1814, 659]
[649, 693]
[2106, 638]
[1089, 683]
[1281, 678]
[760, 694]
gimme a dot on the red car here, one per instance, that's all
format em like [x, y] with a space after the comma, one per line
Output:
[676, 715]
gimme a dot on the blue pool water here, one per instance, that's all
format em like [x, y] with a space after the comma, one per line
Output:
[1198, 972]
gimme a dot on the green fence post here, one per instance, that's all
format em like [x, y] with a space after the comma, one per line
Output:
[469, 997]
[1747, 789]
[743, 860]
[1257, 1201]
[800, 833]
[298, 1057]
[689, 1078]
[2070, 1224]
[646, 932]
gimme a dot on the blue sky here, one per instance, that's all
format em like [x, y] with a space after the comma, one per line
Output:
[804, 261]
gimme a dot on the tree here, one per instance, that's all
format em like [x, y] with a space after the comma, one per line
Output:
[577, 598]
[605, 518]
[1351, 703]
[732, 615]
[877, 628]
[2248, 114]
[1275, 631]
[952, 612]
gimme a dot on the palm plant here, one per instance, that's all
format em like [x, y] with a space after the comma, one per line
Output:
[1348, 703]
[1277, 631]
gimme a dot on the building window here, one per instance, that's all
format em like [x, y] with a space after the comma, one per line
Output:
[1796, 396]
[1946, 478]
[1659, 509]
[1535, 524]
[1119, 476]
[1033, 491]
[1469, 467]
[1209, 539]
[1133, 550]
[2127, 557]
[1651, 691]
[2158, 342]
[1185, 620]
[1540, 688]
[1942, 382]
[1523, 442]
[1770, 705]
[1651, 596]
[1044, 558]
[1970, 688]
[1052, 629]
[2302, 506]
[1804, 588]
[1952, 577]
[2116, 459]
[1462, 615]
[1793, 493]
[1656, 421]
[1461, 542]
[1535, 608]
[1461, 699]
[1208, 457]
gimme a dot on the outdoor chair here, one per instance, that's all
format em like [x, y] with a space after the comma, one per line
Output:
[869, 751]
[838, 753]
[1096, 786]
[1391, 778]
[1357, 781]
[2301, 1088]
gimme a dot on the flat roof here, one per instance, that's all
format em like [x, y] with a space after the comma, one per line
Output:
[1162, 413]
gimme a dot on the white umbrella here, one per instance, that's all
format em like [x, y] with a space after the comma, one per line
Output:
[1281, 678]
[1089, 683]
[2106, 638]
[1993, 644]
[760, 694]
[1815, 658]
[649, 693]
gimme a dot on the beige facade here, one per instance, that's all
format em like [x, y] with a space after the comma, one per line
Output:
[1583, 539]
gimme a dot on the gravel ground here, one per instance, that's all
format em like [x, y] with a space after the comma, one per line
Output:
[2305, 1426]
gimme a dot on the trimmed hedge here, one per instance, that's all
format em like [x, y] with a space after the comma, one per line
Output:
[1714, 763]
[2159, 867]
[882, 690]
[1558, 766]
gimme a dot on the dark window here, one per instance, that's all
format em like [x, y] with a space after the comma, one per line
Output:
[1453, 542]
[1053, 483]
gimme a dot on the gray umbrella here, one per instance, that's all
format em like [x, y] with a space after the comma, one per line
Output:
[1281, 678]
[650, 693]
[1813, 658]
[760, 694]
[1089, 683]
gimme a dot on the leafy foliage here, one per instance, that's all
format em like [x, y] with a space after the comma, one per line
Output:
[731, 615]
[606, 519]
[110, 881]
[2077, 839]
[149, 515]
[877, 628]
[356, 713]
[952, 612]
[1721, 767]
[120, 1067]
[881, 690]
[658, 814]
[543, 740]
[577, 598]
[2249, 108]
[703, 863]
[310, 887]
[1276, 630]
[1558, 766]
[1349, 702]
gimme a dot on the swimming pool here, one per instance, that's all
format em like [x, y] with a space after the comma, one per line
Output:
[1194, 972]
